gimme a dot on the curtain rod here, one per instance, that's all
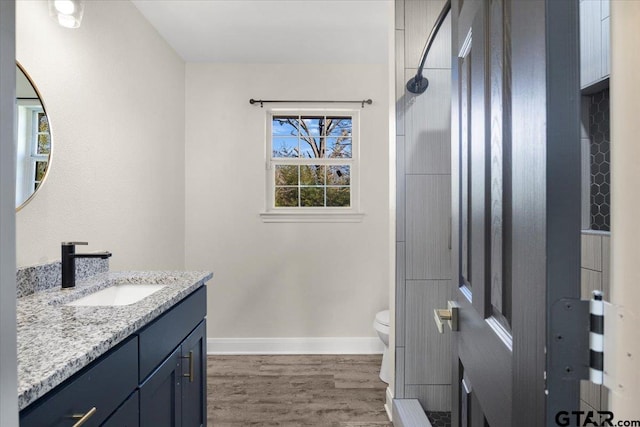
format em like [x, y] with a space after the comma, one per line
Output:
[263, 101]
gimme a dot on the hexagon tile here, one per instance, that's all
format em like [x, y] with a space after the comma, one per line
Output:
[600, 161]
[439, 419]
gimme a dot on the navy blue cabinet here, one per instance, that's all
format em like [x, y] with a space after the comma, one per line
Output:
[194, 378]
[163, 335]
[156, 378]
[173, 366]
[160, 396]
[174, 394]
[95, 392]
[127, 415]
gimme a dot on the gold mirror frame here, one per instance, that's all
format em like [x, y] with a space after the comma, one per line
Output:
[50, 157]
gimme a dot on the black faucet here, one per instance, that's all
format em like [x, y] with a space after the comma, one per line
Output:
[69, 256]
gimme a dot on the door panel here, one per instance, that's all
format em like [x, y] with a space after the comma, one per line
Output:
[484, 344]
[500, 152]
[505, 216]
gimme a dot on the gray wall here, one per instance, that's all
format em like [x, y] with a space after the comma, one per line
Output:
[423, 356]
[8, 370]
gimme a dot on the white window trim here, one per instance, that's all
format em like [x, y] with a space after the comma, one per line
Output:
[27, 148]
[315, 214]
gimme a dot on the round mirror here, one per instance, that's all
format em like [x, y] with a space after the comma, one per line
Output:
[33, 139]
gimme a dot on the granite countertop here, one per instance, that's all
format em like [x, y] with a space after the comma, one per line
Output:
[56, 341]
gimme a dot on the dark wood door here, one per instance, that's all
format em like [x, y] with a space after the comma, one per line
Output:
[194, 377]
[516, 204]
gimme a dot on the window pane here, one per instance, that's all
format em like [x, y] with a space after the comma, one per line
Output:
[311, 196]
[311, 125]
[286, 197]
[310, 147]
[41, 168]
[312, 174]
[322, 147]
[44, 143]
[43, 123]
[338, 196]
[284, 147]
[286, 175]
[339, 175]
[284, 126]
[339, 126]
[339, 148]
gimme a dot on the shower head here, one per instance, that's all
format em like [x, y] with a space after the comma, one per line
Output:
[417, 84]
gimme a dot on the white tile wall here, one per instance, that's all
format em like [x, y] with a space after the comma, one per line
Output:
[423, 359]
[594, 276]
[399, 384]
[427, 217]
[431, 397]
[428, 353]
[428, 125]
[591, 252]
[400, 295]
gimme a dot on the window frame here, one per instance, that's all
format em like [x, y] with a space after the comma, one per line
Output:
[351, 213]
[27, 125]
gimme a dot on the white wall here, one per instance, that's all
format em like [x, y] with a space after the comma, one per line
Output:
[114, 92]
[272, 280]
[625, 176]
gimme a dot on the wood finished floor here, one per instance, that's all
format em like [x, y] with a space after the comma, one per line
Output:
[317, 390]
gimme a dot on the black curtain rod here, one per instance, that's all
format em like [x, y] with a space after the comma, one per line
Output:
[263, 101]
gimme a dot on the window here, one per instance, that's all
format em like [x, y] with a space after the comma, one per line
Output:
[312, 165]
[34, 148]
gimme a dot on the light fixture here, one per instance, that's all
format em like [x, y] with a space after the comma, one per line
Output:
[67, 13]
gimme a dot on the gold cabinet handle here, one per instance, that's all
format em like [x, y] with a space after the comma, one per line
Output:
[448, 315]
[83, 417]
[190, 374]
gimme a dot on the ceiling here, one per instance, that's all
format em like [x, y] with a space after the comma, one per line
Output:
[274, 31]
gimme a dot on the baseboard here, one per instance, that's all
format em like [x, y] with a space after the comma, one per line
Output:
[324, 345]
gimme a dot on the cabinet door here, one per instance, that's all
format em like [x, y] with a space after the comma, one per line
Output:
[160, 402]
[590, 42]
[606, 47]
[167, 332]
[194, 378]
[127, 415]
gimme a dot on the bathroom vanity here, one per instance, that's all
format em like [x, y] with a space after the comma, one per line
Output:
[140, 364]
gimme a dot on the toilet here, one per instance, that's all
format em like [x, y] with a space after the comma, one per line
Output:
[381, 325]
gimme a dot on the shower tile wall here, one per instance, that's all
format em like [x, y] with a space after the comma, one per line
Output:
[600, 164]
[595, 274]
[596, 194]
[423, 359]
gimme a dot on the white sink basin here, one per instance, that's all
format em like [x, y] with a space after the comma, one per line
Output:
[123, 294]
